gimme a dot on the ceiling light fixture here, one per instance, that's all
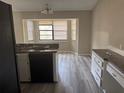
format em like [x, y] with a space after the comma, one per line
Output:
[47, 10]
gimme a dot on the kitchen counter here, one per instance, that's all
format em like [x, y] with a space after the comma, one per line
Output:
[112, 57]
[35, 48]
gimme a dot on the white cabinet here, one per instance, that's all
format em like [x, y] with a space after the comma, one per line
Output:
[97, 68]
[55, 67]
[23, 67]
[107, 76]
[113, 80]
[116, 74]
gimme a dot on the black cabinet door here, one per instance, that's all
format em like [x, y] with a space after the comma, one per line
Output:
[41, 65]
[8, 72]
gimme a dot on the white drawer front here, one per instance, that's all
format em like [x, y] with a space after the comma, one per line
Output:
[119, 78]
[100, 63]
[98, 70]
[97, 60]
[95, 75]
[97, 79]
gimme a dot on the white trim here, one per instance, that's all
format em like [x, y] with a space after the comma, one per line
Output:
[119, 51]
[55, 68]
[65, 51]
[72, 52]
[75, 53]
[85, 54]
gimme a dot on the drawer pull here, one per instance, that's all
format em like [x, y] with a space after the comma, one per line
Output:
[98, 61]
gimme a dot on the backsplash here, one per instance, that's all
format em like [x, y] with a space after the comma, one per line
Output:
[117, 50]
[37, 46]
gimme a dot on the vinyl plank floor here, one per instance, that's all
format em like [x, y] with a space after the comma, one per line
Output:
[74, 77]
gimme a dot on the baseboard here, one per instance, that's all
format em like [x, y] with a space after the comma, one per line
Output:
[85, 54]
[65, 52]
[75, 53]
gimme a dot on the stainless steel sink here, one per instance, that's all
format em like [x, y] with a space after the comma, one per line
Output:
[31, 50]
[108, 53]
[46, 50]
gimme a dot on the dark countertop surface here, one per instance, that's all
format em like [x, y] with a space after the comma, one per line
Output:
[36, 51]
[112, 57]
[36, 48]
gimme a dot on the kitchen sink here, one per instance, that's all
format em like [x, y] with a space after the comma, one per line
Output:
[45, 50]
[31, 50]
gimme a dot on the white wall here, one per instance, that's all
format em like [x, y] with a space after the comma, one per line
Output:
[108, 24]
[74, 35]
[18, 27]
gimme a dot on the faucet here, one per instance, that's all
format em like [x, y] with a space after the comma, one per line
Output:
[47, 46]
[109, 54]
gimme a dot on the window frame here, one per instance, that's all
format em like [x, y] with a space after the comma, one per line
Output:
[53, 39]
[46, 30]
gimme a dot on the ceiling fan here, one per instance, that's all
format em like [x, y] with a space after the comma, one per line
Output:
[47, 10]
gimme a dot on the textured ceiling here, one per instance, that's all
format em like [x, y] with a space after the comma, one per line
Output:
[36, 5]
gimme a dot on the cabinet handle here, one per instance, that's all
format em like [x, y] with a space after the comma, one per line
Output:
[98, 61]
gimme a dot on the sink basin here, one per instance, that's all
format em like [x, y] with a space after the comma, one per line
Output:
[108, 53]
[31, 50]
[47, 50]
[35, 50]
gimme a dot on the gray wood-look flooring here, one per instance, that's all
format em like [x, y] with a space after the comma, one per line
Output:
[74, 77]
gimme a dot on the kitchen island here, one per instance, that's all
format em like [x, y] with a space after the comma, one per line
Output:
[37, 65]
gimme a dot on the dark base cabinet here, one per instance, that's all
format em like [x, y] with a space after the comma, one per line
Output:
[41, 66]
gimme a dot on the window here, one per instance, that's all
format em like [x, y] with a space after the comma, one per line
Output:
[46, 32]
[53, 30]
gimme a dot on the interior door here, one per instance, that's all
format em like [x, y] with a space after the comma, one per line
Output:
[8, 71]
